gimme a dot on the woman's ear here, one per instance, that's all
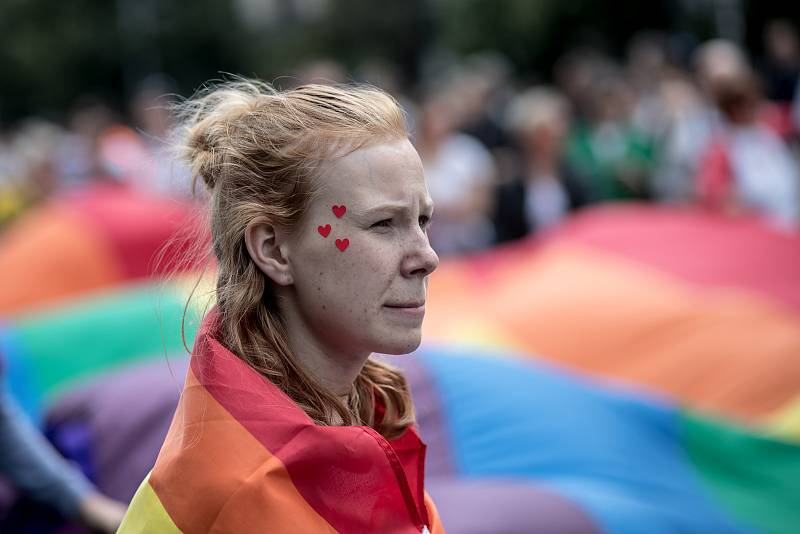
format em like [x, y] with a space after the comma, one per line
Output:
[264, 244]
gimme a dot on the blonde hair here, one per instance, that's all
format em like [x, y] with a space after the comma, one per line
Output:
[258, 151]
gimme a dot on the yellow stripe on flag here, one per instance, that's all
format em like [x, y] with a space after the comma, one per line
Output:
[146, 514]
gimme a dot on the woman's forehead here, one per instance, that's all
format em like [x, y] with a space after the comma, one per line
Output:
[390, 172]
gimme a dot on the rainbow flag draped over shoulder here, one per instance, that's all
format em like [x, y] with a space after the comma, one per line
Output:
[241, 456]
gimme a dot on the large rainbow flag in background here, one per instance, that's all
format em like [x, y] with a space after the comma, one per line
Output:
[703, 308]
[634, 371]
[100, 237]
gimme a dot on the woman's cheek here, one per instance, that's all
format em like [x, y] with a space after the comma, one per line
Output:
[377, 250]
[356, 266]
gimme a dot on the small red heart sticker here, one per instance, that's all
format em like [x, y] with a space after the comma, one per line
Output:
[339, 211]
[341, 244]
[324, 230]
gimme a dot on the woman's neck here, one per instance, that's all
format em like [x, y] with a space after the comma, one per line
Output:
[334, 368]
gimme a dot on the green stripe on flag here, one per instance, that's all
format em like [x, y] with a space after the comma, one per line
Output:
[74, 342]
[756, 478]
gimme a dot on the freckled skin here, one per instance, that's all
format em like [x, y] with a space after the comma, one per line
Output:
[338, 298]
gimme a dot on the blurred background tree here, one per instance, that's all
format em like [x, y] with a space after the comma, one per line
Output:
[56, 52]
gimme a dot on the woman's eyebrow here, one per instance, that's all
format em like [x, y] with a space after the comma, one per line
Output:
[427, 206]
[383, 208]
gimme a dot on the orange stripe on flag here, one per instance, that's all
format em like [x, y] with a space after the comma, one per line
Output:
[50, 255]
[433, 515]
[725, 350]
[212, 474]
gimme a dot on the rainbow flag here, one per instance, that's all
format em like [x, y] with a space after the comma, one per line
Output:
[703, 308]
[641, 376]
[241, 457]
[96, 238]
[49, 351]
[524, 445]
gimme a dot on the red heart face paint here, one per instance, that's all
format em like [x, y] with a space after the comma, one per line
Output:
[342, 244]
[339, 211]
[324, 230]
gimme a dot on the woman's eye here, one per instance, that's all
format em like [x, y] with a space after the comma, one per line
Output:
[385, 223]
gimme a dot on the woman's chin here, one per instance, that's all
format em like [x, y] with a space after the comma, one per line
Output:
[405, 344]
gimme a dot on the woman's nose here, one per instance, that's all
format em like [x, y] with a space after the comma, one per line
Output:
[422, 260]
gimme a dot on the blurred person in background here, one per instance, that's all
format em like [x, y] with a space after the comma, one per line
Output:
[82, 159]
[103, 149]
[666, 104]
[11, 198]
[796, 110]
[780, 72]
[35, 468]
[460, 172]
[37, 144]
[682, 126]
[746, 166]
[645, 69]
[152, 165]
[483, 90]
[575, 73]
[545, 189]
[29, 167]
[687, 117]
[604, 146]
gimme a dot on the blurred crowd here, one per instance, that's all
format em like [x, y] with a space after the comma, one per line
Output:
[505, 157]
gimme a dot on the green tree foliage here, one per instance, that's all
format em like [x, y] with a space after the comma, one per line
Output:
[55, 52]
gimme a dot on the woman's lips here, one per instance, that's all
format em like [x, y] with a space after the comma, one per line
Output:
[408, 310]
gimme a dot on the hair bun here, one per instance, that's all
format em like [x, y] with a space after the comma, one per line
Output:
[210, 125]
[204, 156]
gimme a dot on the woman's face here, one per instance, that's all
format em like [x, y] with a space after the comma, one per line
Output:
[360, 258]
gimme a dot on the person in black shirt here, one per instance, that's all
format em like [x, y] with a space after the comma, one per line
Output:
[545, 188]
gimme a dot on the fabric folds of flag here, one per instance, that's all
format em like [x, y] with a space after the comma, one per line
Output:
[698, 307]
[241, 457]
